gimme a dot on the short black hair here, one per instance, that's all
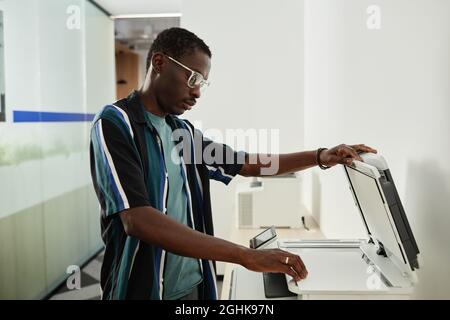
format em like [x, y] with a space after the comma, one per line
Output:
[176, 42]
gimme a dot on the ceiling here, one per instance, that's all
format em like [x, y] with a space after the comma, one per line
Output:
[138, 34]
[121, 7]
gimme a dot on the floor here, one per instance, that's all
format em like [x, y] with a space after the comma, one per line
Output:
[90, 283]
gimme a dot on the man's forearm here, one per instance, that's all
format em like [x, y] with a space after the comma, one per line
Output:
[153, 227]
[283, 163]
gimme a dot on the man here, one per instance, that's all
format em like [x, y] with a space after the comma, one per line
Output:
[155, 203]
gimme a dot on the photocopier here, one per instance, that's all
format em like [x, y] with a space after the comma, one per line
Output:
[382, 266]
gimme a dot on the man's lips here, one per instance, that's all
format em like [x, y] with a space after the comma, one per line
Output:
[188, 104]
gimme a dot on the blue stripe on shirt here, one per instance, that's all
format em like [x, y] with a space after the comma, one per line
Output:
[217, 175]
[117, 202]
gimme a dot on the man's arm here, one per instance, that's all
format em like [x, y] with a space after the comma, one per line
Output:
[292, 162]
[154, 227]
[115, 165]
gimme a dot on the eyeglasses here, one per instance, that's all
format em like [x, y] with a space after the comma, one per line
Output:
[195, 79]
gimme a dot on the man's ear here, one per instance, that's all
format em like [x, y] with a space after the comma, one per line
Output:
[158, 62]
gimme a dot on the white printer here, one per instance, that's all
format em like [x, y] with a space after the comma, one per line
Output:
[379, 267]
[258, 200]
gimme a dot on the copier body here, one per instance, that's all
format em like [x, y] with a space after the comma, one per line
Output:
[379, 267]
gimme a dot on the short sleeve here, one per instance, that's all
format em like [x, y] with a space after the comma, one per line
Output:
[116, 168]
[223, 163]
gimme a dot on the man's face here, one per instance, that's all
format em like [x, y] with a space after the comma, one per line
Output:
[172, 93]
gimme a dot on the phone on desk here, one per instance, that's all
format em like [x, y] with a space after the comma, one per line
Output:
[263, 238]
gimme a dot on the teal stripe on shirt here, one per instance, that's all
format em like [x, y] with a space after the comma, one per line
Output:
[181, 273]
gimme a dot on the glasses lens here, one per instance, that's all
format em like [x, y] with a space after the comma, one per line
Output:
[203, 85]
[193, 80]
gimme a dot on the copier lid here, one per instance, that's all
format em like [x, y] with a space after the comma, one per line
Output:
[381, 209]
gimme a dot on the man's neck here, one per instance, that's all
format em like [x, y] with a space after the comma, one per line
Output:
[150, 104]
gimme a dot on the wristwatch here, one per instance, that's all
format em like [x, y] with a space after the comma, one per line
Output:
[321, 166]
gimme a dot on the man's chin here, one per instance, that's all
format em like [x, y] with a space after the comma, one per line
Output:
[178, 111]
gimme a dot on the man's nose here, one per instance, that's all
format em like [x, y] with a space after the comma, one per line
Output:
[195, 92]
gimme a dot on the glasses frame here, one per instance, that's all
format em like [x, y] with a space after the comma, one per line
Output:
[203, 83]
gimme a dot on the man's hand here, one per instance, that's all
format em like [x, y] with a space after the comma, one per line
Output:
[275, 260]
[343, 154]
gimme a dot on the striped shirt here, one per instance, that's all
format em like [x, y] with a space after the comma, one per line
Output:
[128, 170]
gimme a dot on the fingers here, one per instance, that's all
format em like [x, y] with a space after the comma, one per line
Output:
[294, 267]
[361, 148]
[299, 267]
[346, 154]
[291, 271]
[348, 151]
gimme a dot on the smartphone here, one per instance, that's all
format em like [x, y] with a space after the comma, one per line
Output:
[263, 238]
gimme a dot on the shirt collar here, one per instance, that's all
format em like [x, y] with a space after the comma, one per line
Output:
[135, 108]
[137, 112]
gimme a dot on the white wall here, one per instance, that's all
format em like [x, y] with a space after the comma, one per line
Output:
[256, 75]
[388, 88]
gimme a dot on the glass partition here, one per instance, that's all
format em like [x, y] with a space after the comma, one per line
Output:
[2, 71]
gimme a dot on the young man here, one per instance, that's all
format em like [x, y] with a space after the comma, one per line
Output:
[155, 203]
